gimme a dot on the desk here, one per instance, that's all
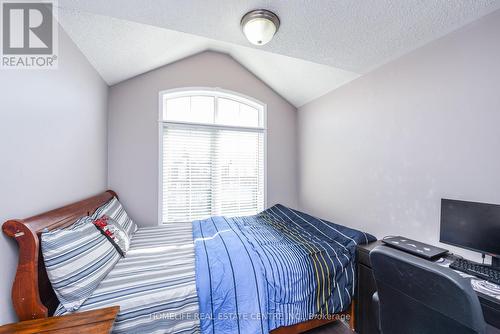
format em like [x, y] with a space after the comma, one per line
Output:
[98, 321]
[365, 319]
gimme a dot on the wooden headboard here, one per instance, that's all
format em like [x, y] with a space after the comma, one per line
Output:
[32, 293]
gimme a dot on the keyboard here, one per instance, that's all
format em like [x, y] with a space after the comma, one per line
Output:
[483, 271]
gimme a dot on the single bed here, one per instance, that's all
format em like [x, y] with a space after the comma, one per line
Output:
[280, 271]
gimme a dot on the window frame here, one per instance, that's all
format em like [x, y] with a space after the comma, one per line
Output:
[215, 92]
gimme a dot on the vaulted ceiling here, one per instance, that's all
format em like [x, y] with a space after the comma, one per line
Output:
[321, 44]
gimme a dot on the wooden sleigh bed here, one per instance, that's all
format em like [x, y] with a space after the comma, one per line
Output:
[32, 294]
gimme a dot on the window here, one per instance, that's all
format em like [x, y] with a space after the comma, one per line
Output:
[212, 155]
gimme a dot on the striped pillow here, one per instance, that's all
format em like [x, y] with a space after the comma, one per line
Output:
[115, 211]
[76, 260]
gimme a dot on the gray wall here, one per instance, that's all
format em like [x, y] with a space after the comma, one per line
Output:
[379, 153]
[133, 130]
[52, 145]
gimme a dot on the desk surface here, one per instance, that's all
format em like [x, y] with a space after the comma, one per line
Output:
[89, 322]
[489, 304]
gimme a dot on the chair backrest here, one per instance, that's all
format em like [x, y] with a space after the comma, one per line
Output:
[419, 296]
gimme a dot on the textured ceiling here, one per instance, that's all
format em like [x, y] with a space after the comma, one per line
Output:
[121, 49]
[321, 44]
[352, 35]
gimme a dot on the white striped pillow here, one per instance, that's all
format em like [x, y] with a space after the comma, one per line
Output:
[115, 211]
[77, 259]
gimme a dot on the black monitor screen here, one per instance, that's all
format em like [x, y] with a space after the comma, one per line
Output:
[471, 225]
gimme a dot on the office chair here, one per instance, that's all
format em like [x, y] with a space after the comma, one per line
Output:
[416, 296]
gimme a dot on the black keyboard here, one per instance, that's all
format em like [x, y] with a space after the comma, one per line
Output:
[480, 270]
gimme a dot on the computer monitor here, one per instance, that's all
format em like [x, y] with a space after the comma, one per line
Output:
[471, 225]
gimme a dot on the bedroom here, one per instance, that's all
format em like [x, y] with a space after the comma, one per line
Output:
[366, 114]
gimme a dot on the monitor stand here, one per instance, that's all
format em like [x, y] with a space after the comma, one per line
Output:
[495, 262]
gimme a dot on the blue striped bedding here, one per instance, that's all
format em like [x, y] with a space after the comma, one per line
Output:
[231, 275]
[277, 268]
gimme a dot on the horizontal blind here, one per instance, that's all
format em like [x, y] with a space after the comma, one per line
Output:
[209, 171]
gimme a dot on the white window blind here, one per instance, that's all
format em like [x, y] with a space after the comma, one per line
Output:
[212, 158]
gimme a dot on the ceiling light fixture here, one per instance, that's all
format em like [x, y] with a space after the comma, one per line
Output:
[259, 26]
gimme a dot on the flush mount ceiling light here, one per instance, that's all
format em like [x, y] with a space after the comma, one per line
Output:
[259, 26]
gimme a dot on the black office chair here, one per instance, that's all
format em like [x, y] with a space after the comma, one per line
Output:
[418, 296]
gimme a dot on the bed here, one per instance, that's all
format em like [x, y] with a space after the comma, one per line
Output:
[280, 271]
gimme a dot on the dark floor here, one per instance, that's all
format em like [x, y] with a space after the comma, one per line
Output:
[338, 327]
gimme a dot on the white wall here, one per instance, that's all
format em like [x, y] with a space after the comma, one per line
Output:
[379, 153]
[133, 130]
[52, 145]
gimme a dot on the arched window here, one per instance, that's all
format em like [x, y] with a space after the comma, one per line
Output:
[212, 156]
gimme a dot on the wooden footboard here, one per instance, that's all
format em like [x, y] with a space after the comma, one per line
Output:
[315, 323]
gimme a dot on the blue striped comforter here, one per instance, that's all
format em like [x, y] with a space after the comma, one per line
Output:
[277, 268]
